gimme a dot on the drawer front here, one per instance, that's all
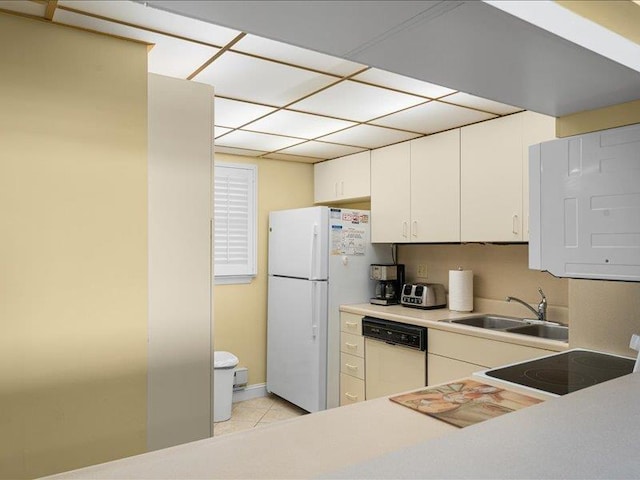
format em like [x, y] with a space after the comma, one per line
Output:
[351, 389]
[351, 323]
[352, 365]
[443, 369]
[479, 351]
[352, 344]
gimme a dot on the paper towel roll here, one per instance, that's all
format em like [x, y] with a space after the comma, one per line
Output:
[461, 290]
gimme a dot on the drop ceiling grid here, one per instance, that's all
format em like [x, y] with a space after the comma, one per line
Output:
[347, 106]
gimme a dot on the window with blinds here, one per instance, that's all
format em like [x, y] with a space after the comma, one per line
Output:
[234, 207]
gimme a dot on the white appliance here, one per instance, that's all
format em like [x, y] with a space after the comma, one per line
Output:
[319, 258]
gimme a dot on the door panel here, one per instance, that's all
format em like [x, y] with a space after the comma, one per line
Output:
[296, 341]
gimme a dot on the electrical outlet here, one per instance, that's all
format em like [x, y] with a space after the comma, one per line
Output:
[422, 271]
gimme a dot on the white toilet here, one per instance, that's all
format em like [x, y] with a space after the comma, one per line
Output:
[224, 364]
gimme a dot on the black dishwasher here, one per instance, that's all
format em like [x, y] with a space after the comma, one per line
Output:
[395, 333]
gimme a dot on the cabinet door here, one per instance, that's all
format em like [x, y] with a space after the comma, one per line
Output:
[536, 128]
[435, 188]
[442, 369]
[355, 176]
[345, 178]
[491, 181]
[390, 194]
[325, 186]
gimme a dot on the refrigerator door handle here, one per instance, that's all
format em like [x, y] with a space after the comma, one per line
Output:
[314, 310]
[314, 238]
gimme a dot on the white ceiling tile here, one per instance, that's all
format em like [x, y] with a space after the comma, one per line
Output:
[217, 131]
[400, 82]
[296, 124]
[238, 151]
[297, 56]
[291, 158]
[169, 56]
[321, 150]
[355, 101]
[30, 8]
[232, 113]
[246, 78]
[137, 13]
[467, 100]
[433, 117]
[369, 136]
[256, 141]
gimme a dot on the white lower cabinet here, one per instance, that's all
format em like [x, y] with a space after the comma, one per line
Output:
[454, 355]
[352, 365]
[392, 369]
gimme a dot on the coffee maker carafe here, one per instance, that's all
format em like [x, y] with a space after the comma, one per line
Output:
[389, 280]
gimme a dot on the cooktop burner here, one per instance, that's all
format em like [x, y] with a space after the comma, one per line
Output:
[565, 372]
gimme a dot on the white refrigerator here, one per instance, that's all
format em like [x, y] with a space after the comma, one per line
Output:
[319, 258]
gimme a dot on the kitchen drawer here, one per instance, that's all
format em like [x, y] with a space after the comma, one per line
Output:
[352, 365]
[352, 344]
[351, 323]
[443, 369]
[351, 390]
[479, 351]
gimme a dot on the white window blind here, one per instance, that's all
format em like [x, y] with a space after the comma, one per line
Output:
[234, 207]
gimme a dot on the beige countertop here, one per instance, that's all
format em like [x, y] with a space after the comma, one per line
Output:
[437, 319]
[303, 447]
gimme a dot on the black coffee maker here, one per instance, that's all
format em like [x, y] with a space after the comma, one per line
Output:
[389, 280]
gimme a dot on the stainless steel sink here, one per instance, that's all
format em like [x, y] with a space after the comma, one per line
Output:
[494, 322]
[552, 332]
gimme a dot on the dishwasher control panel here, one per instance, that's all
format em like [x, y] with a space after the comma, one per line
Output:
[395, 333]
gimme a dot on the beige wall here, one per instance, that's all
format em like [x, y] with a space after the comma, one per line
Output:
[73, 248]
[240, 311]
[603, 314]
[498, 271]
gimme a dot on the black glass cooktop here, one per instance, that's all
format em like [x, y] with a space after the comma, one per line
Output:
[566, 372]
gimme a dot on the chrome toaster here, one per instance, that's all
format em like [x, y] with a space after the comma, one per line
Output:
[423, 295]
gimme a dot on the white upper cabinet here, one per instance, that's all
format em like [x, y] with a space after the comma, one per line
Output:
[343, 179]
[415, 190]
[390, 194]
[435, 188]
[494, 176]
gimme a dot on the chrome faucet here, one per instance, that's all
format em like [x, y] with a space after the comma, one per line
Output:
[541, 313]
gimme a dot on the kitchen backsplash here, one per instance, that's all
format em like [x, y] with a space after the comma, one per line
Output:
[498, 270]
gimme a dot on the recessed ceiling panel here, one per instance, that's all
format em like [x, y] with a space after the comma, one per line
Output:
[264, 47]
[137, 13]
[232, 113]
[296, 124]
[247, 78]
[400, 82]
[169, 56]
[369, 136]
[291, 158]
[433, 117]
[256, 141]
[356, 101]
[490, 106]
[30, 8]
[237, 151]
[321, 150]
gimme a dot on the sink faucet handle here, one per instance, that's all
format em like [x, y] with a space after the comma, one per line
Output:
[544, 298]
[542, 306]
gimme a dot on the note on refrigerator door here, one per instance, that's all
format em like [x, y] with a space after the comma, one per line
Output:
[347, 240]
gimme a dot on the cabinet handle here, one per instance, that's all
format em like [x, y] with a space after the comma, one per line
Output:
[351, 345]
[515, 224]
[351, 367]
[414, 230]
[351, 324]
[404, 229]
[351, 397]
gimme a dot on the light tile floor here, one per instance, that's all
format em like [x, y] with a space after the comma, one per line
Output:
[255, 413]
